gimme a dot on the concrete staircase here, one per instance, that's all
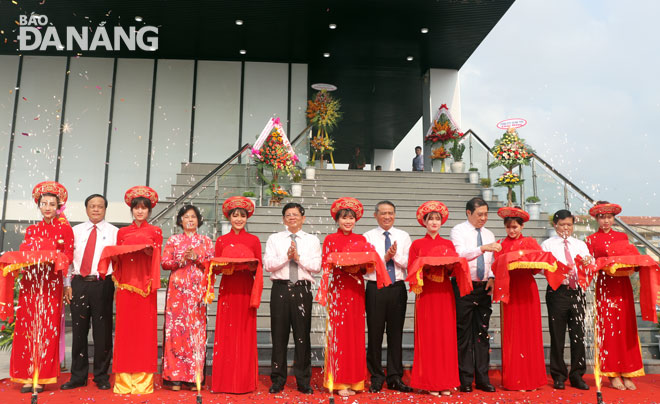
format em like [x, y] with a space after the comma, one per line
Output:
[407, 190]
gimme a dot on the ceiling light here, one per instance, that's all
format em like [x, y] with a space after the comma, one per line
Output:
[242, 51]
[326, 55]
[409, 58]
[138, 18]
[239, 22]
[424, 30]
[332, 26]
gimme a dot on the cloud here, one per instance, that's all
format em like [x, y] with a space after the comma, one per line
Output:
[584, 74]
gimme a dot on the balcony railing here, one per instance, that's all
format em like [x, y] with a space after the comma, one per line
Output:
[553, 189]
[235, 176]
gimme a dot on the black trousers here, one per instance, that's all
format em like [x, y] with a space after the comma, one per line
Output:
[291, 308]
[386, 311]
[566, 308]
[91, 305]
[472, 319]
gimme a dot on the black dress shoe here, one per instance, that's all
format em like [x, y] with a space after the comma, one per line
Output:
[488, 388]
[275, 388]
[103, 385]
[72, 385]
[465, 388]
[26, 389]
[375, 387]
[399, 385]
[306, 389]
[558, 385]
[579, 384]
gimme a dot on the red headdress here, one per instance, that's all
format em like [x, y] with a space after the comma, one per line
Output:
[604, 208]
[347, 203]
[141, 191]
[237, 202]
[513, 212]
[50, 187]
[432, 206]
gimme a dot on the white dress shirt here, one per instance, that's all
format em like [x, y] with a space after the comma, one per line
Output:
[464, 236]
[106, 234]
[377, 239]
[276, 260]
[555, 245]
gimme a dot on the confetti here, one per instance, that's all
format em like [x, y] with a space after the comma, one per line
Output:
[25, 134]
[121, 99]
[24, 99]
[98, 87]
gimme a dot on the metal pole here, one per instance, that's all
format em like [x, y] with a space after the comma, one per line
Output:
[534, 189]
[470, 142]
[566, 203]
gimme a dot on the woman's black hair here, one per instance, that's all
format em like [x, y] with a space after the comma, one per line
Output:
[231, 212]
[345, 212]
[184, 210]
[428, 215]
[518, 220]
[50, 194]
[141, 201]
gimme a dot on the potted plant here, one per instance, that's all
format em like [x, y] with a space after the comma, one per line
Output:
[533, 207]
[551, 228]
[457, 149]
[438, 156]
[473, 175]
[296, 185]
[251, 196]
[310, 170]
[486, 190]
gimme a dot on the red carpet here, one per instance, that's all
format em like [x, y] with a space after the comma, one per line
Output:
[648, 392]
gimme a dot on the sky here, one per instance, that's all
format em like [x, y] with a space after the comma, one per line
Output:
[584, 74]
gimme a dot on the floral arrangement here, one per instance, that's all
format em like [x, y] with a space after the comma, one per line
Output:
[508, 179]
[275, 154]
[443, 130]
[7, 334]
[440, 153]
[323, 113]
[511, 151]
[322, 144]
[277, 193]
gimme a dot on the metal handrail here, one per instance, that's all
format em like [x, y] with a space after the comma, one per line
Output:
[200, 182]
[577, 189]
[213, 172]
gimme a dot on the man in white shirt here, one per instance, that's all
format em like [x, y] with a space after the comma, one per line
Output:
[90, 297]
[291, 257]
[386, 307]
[566, 305]
[476, 244]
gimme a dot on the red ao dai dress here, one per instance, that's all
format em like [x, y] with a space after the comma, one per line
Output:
[620, 351]
[523, 361]
[37, 330]
[435, 363]
[235, 361]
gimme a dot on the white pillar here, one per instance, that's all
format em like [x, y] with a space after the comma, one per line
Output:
[441, 86]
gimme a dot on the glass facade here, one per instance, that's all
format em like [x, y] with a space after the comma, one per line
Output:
[89, 123]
